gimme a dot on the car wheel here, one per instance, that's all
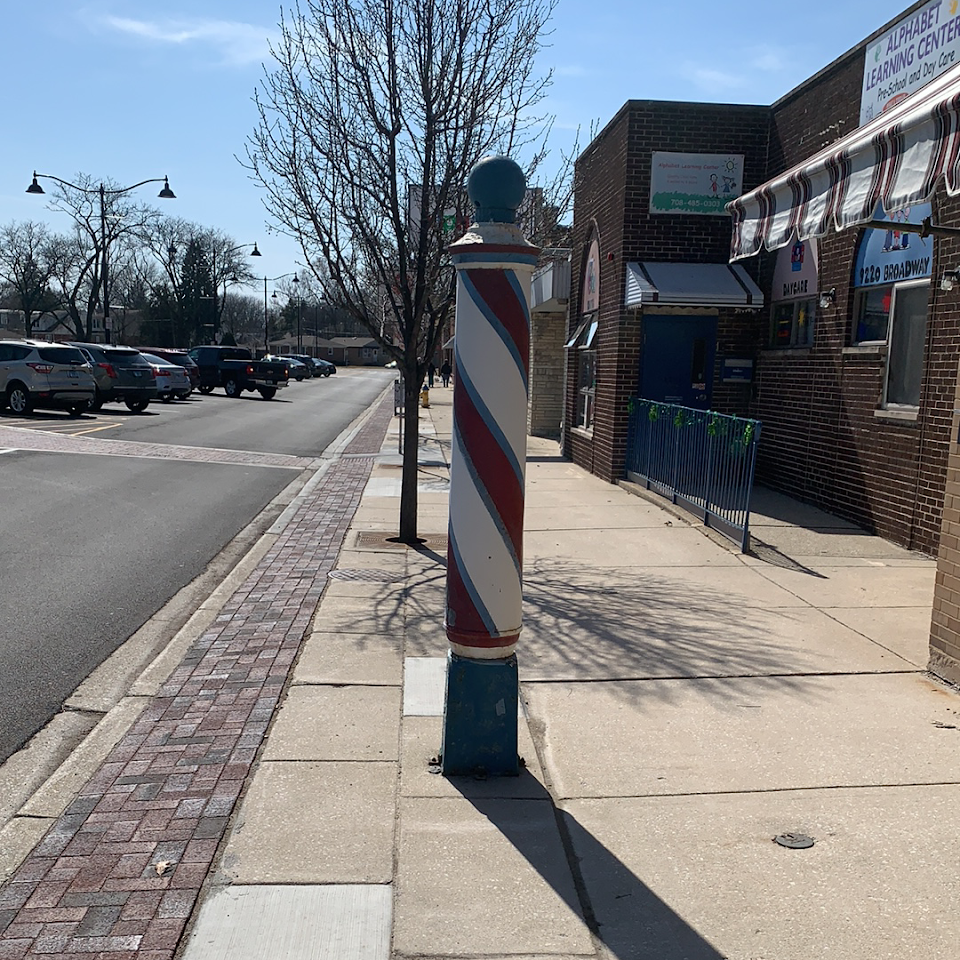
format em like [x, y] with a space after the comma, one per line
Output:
[205, 390]
[184, 395]
[327, 373]
[18, 399]
[97, 402]
[268, 393]
[166, 398]
[231, 388]
[75, 409]
[137, 406]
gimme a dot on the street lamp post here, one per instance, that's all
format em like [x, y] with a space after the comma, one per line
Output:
[266, 316]
[218, 309]
[166, 194]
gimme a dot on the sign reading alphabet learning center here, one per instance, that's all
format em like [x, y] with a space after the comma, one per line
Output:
[695, 183]
[914, 51]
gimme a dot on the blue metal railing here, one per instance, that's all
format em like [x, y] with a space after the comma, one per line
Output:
[701, 460]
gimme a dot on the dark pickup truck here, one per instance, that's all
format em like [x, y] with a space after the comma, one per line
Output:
[234, 369]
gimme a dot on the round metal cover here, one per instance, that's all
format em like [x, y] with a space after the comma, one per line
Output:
[795, 841]
[369, 575]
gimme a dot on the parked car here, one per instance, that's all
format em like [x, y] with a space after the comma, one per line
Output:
[34, 373]
[234, 369]
[307, 361]
[121, 375]
[297, 369]
[323, 368]
[182, 359]
[172, 379]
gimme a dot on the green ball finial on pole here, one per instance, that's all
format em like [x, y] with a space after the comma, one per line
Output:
[496, 186]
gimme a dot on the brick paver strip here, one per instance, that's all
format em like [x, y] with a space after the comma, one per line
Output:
[22, 438]
[96, 884]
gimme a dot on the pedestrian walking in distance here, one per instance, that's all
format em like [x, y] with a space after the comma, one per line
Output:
[445, 372]
[431, 373]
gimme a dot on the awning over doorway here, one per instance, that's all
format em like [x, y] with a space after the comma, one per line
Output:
[894, 160]
[690, 285]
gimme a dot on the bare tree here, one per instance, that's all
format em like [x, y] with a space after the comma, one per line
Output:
[101, 217]
[27, 263]
[168, 241]
[370, 123]
[242, 318]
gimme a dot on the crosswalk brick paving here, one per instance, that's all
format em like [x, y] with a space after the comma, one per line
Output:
[15, 438]
[118, 875]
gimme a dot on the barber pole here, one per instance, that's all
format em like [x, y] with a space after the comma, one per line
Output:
[485, 554]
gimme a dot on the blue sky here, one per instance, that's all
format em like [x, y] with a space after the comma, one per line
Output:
[127, 90]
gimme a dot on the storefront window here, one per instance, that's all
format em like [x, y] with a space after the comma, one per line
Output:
[896, 314]
[792, 323]
[583, 341]
[873, 312]
[907, 335]
[586, 396]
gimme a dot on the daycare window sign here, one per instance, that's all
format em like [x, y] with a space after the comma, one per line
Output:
[695, 183]
[921, 46]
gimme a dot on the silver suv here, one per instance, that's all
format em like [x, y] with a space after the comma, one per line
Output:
[34, 373]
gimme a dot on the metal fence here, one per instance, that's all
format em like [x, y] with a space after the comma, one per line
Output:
[701, 460]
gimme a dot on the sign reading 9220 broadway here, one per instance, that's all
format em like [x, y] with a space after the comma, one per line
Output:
[698, 183]
[916, 49]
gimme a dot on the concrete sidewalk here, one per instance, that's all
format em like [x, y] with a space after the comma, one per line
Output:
[683, 705]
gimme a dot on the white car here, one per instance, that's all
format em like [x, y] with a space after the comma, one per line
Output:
[172, 380]
[34, 373]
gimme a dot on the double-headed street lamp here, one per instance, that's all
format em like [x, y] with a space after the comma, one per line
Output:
[166, 194]
[266, 315]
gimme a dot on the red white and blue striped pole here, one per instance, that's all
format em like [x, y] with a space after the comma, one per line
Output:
[485, 554]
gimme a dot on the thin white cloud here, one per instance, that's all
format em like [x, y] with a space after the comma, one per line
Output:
[238, 44]
[571, 70]
[756, 60]
[770, 61]
[713, 80]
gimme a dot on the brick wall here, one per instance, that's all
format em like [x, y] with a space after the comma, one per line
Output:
[822, 439]
[545, 405]
[612, 201]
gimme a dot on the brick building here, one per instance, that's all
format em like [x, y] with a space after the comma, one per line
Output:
[820, 374]
[846, 337]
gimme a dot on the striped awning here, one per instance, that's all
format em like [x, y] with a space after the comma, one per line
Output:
[894, 160]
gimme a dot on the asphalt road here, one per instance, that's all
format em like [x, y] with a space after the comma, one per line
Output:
[93, 546]
[303, 420]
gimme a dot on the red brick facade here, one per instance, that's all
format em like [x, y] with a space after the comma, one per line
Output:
[825, 438]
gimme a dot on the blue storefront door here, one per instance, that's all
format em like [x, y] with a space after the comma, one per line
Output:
[676, 365]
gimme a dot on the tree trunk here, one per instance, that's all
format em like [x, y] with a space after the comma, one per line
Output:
[409, 477]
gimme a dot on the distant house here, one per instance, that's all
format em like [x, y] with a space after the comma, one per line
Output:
[343, 351]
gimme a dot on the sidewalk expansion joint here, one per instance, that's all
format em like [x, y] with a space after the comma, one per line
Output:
[711, 677]
[810, 788]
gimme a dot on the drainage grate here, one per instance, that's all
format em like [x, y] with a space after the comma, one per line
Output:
[370, 575]
[388, 541]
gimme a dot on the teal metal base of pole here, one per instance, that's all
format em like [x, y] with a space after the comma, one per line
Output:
[480, 718]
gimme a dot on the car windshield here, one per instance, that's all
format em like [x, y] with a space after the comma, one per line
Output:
[65, 355]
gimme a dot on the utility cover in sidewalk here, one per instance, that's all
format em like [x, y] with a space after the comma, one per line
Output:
[366, 574]
[795, 841]
[294, 922]
[368, 540]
